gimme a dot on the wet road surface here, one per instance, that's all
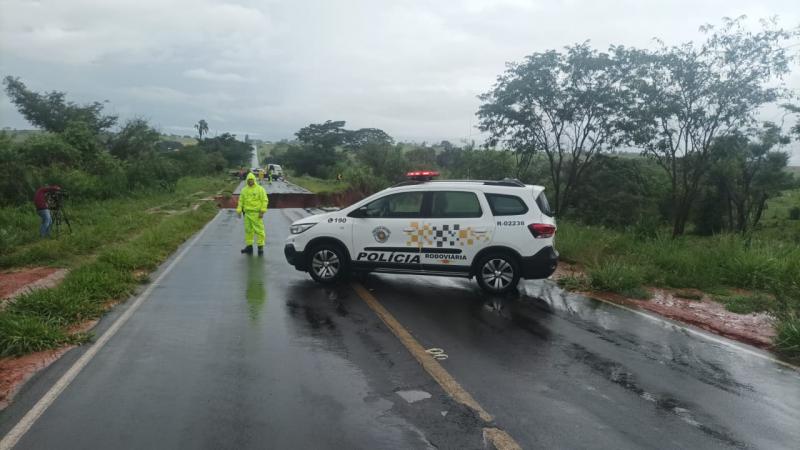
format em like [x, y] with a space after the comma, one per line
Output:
[245, 352]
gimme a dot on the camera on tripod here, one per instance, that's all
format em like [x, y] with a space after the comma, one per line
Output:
[56, 199]
[55, 202]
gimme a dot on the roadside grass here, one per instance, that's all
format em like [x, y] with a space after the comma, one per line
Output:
[616, 275]
[746, 304]
[777, 222]
[575, 283]
[788, 334]
[623, 262]
[43, 319]
[94, 224]
[319, 185]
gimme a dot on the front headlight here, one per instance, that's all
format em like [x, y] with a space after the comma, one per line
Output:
[301, 227]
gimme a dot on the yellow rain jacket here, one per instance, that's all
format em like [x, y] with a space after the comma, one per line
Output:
[252, 201]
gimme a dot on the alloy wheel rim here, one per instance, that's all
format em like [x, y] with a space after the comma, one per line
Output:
[497, 274]
[325, 264]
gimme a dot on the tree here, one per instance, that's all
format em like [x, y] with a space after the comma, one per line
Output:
[793, 109]
[324, 136]
[745, 173]
[51, 112]
[688, 96]
[135, 138]
[622, 191]
[305, 159]
[422, 158]
[562, 104]
[235, 152]
[202, 128]
[364, 136]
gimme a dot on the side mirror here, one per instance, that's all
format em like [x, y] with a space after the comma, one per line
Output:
[359, 213]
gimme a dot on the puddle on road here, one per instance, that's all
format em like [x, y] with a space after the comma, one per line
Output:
[413, 396]
[256, 293]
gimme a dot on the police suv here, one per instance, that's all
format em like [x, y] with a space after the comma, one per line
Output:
[495, 231]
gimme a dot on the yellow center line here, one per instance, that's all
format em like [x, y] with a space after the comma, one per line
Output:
[499, 438]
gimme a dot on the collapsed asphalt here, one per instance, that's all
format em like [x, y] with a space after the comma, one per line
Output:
[235, 351]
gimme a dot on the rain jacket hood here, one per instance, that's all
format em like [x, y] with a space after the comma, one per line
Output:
[250, 176]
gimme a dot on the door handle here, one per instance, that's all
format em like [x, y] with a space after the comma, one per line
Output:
[409, 229]
[480, 231]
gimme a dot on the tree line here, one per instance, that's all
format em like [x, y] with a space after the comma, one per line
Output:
[572, 119]
[79, 151]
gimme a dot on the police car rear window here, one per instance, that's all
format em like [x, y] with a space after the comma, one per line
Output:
[446, 204]
[544, 205]
[506, 205]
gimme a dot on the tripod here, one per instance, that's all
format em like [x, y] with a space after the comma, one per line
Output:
[59, 218]
[55, 202]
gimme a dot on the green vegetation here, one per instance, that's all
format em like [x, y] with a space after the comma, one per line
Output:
[617, 275]
[623, 261]
[129, 242]
[77, 151]
[133, 197]
[746, 304]
[688, 262]
[95, 223]
[320, 185]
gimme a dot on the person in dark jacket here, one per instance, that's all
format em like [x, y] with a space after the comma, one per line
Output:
[43, 209]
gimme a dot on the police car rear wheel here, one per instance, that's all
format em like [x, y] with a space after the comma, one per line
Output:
[498, 273]
[327, 264]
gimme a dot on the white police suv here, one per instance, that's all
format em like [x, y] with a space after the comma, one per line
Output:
[496, 231]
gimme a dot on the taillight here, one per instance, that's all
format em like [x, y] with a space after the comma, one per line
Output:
[542, 230]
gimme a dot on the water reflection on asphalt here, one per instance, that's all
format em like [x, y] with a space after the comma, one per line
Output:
[256, 292]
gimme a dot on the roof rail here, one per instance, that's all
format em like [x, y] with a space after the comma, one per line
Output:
[513, 182]
[408, 183]
[505, 182]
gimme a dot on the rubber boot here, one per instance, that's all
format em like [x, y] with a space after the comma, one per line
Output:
[248, 250]
[260, 250]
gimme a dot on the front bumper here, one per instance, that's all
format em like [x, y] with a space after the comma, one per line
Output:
[295, 258]
[540, 265]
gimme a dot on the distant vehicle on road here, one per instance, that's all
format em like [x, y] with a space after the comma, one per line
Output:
[495, 231]
[276, 170]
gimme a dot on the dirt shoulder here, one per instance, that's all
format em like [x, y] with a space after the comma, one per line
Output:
[19, 281]
[757, 329]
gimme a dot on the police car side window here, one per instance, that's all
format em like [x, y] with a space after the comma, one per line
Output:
[506, 205]
[446, 204]
[402, 205]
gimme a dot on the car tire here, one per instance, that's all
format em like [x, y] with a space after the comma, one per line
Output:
[327, 263]
[497, 273]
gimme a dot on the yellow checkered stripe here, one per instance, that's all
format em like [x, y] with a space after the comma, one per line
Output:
[444, 236]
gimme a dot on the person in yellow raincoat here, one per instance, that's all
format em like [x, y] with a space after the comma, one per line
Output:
[253, 203]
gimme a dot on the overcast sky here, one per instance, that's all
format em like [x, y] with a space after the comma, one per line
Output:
[267, 68]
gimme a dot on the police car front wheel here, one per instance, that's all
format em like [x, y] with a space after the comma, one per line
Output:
[498, 273]
[327, 264]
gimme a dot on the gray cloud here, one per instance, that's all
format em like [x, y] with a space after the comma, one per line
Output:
[267, 68]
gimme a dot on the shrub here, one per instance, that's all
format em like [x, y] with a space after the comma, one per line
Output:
[794, 213]
[746, 304]
[615, 275]
[788, 334]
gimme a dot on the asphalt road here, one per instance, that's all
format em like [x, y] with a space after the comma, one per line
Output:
[232, 351]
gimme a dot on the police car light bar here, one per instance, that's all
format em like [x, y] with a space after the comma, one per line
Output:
[422, 174]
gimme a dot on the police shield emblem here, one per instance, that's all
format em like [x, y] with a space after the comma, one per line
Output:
[381, 234]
